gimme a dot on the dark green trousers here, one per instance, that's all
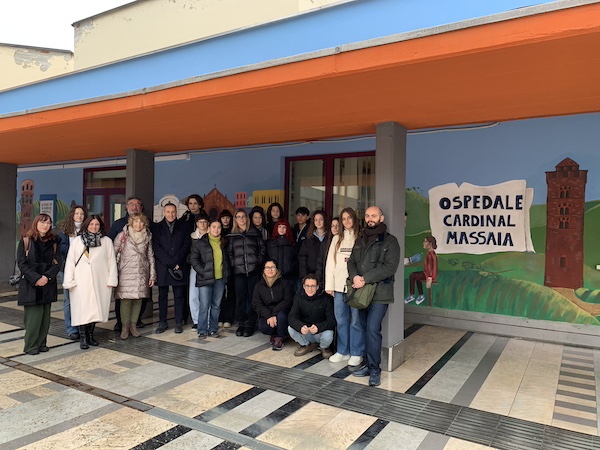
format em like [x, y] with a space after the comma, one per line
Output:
[37, 323]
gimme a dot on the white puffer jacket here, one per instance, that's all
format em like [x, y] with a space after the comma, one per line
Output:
[336, 269]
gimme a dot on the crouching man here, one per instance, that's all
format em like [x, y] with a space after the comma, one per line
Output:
[311, 319]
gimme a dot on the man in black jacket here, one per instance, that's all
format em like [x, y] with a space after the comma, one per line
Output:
[171, 243]
[311, 319]
[375, 258]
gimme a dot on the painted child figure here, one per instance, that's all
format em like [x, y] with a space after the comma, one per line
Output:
[429, 273]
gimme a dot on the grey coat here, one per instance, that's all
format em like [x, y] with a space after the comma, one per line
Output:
[136, 266]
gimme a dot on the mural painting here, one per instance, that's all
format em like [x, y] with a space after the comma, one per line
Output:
[487, 238]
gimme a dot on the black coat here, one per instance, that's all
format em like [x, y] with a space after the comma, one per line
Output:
[246, 251]
[268, 301]
[317, 310]
[322, 259]
[171, 250]
[309, 257]
[203, 262]
[282, 252]
[40, 261]
[377, 262]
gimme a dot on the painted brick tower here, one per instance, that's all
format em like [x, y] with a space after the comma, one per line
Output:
[26, 207]
[564, 225]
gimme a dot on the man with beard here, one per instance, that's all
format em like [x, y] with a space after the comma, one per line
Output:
[375, 258]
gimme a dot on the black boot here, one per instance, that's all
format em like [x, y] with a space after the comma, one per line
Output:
[89, 335]
[83, 345]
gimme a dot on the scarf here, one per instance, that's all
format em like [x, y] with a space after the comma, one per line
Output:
[372, 233]
[215, 243]
[137, 236]
[91, 239]
[171, 225]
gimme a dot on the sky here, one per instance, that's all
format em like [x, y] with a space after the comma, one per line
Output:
[47, 23]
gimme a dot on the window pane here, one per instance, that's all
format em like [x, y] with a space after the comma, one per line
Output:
[307, 186]
[105, 178]
[95, 205]
[354, 184]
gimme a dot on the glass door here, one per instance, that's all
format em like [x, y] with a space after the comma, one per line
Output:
[330, 182]
[104, 194]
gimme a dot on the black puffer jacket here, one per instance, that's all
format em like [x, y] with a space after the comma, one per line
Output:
[40, 261]
[268, 301]
[203, 262]
[246, 251]
[309, 257]
[281, 251]
[316, 310]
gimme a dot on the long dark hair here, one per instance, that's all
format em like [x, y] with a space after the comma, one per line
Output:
[270, 208]
[355, 226]
[86, 223]
[33, 232]
[311, 228]
[68, 223]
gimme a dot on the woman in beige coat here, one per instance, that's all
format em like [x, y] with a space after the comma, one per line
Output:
[137, 274]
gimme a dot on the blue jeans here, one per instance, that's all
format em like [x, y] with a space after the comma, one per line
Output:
[67, 313]
[194, 297]
[350, 327]
[373, 316]
[324, 338]
[210, 307]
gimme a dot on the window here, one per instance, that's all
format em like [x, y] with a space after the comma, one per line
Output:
[330, 182]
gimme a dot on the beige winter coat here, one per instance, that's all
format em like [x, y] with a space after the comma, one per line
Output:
[336, 269]
[136, 266]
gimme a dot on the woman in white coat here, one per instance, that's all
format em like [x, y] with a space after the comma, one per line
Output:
[90, 276]
[350, 329]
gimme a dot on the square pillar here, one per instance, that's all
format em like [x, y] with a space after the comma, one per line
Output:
[139, 181]
[390, 187]
[8, 221]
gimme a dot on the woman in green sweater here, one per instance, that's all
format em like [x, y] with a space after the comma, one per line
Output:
[212, 269]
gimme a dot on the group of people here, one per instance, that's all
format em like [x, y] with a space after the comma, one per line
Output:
[254, 269]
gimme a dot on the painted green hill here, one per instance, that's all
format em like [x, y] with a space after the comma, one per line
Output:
[481, 292]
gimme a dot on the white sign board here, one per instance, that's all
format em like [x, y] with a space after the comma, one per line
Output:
[481, 219]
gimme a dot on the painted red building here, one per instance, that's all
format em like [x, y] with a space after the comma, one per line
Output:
[565, 206]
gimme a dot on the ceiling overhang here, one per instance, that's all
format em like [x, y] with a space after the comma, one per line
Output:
[537, 66]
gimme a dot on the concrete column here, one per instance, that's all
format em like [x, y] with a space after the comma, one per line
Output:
[140, 178]
[390, 186]
[8, 221]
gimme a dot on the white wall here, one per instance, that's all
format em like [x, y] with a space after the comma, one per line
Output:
[149, 25]
[22, 65]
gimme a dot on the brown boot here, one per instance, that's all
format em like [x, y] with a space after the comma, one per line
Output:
[303, 350]
[133, 330]
[124, 332]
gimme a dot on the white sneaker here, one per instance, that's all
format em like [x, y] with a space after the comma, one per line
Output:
[355, 360]
[226, 325]
[409, 299]
[220, 325]
[420, 299]
[337, 357]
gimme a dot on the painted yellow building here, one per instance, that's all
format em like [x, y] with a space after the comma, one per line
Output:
[265, 197]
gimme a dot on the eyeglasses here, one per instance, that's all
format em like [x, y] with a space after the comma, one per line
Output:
[270, 268]
[203, 222]
[310, 286]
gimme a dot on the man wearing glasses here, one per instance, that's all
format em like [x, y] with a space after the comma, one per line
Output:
[311, 319]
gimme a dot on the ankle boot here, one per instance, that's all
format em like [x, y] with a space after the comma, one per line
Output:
[83, 345]
[133, 330]
[124, 332]
[89, 335]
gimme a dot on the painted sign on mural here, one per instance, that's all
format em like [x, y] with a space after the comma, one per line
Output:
[481, 219]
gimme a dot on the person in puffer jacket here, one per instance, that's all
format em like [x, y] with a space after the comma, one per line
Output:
[246, 250]
[350, 332]
[280, 248]
[136, 268]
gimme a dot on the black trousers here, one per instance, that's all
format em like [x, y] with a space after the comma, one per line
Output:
[163, 303]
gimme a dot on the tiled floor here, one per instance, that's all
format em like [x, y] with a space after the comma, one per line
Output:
[456, 390]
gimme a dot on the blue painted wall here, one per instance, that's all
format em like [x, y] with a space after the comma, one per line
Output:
[353, 22]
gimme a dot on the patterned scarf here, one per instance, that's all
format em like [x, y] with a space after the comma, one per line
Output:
[91, 239]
